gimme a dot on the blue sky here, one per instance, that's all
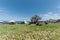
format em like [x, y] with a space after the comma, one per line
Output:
[25, 9]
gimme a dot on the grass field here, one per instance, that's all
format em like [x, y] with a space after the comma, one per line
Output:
[30, 32]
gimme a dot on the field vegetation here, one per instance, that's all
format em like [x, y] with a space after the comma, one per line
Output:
[30, 32]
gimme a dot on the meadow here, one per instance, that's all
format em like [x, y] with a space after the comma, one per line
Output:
[30, 32]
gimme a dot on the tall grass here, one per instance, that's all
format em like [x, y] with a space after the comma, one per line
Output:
[30, 32]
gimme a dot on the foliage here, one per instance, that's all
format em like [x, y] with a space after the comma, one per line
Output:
[35, 18]
[58, 20]
[12, 23]
[22, 22]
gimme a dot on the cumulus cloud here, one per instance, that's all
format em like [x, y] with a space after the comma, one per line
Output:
[51, 15]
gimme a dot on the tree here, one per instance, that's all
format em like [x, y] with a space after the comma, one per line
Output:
[12, 23]
[35, 19]
[22, 22]
[58, 20]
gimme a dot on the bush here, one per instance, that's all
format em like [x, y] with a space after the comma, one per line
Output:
[12, 23]
[39, 24]
[46, 22]
[22, 23]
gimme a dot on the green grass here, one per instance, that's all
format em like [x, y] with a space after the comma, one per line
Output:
[30, 32]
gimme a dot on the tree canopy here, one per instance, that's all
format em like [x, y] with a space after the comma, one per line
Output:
[35, 18]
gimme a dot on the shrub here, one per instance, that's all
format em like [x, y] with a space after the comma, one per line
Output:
[22, 23]
[12, 23]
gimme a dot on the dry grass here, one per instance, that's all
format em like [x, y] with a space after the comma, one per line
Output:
[35, 35]
[30, 32]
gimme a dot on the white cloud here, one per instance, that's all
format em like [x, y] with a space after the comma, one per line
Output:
[51, 15]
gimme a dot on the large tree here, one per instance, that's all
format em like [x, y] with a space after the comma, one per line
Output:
[35, 18]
